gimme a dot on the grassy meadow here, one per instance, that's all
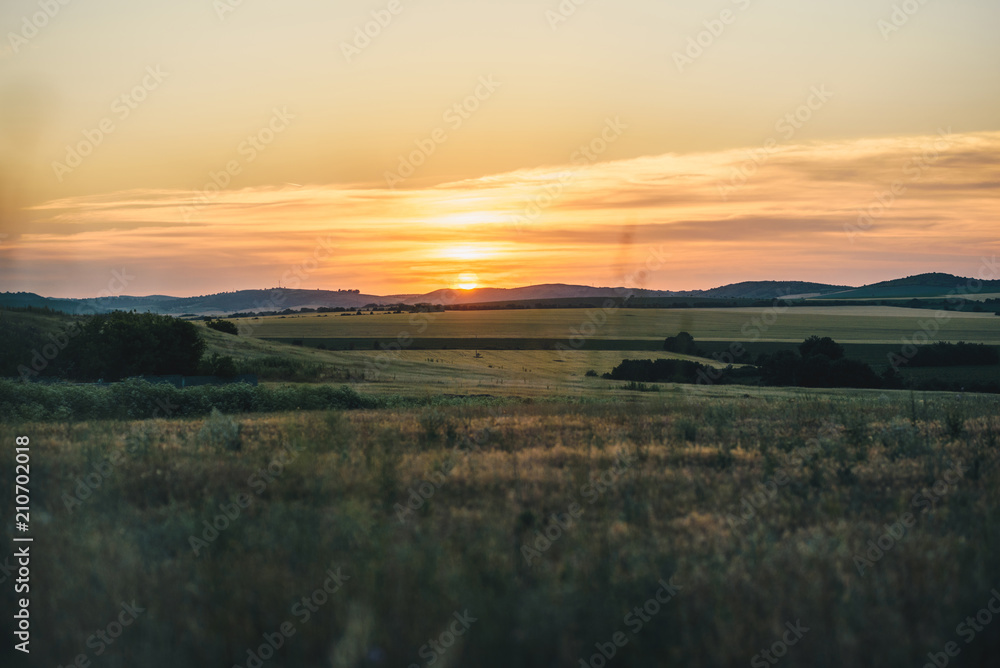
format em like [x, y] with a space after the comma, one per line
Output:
[545, 353]
[846, 324]
[503, 507]
[755, 509]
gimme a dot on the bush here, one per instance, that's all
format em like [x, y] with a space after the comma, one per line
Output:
[137, 399]
[661, 370]
[633, 386]
[686, 429]
[223, 366]
[225, 326]
[825, 346]
[221, 432]
[955, 354]
[683, 343]
[113, 346]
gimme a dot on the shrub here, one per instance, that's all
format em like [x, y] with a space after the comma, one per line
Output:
[954, 422]
[683, 343]
[113, 346]
[225, 326]
[137, 399]
[223, 366]
[662, 370]
[956, 354]
[686, 429]
[221, 432]
[824, 346]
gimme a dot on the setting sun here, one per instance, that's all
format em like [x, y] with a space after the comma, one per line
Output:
[468, 281]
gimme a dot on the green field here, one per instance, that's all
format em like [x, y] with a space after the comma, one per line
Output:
[430, 478]
[547, 352]
[846, 324]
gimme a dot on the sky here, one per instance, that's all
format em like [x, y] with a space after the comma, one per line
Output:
[399, 146]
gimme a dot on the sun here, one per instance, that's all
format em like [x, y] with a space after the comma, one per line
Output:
[468, 281]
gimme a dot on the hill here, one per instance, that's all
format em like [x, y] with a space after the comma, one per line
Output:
[767, 290]
[921, 285]
[281, 299]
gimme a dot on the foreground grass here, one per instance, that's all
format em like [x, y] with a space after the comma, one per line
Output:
[757, 507]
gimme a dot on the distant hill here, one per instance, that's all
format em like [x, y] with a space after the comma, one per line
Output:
[767, 290]
[280, 299]
[539, 292]
[921, 285]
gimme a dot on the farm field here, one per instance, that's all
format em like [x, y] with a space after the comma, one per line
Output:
[867, 520]
[846, 324]
[977, 296]
[532, 373]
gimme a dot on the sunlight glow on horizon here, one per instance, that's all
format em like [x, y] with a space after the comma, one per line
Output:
[788, 221]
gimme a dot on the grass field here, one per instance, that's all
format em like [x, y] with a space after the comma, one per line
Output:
[846, 324]
[759, 511]
[533, 505]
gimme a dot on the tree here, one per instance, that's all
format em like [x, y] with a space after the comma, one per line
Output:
[779, 368]
[225, 326]
[113, 346]
[223, 366]
[826, 346]
[683, 343]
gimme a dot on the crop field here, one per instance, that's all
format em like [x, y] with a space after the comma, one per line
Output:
[531, 373]
[696, 528]
[847, 324]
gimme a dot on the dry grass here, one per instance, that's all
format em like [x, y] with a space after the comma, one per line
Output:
[498, 474]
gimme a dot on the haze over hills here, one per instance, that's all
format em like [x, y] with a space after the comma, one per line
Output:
[280, 299]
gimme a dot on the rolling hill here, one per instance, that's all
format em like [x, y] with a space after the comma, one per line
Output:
[280, 299]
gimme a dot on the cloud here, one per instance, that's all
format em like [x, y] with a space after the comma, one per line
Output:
[787, 214]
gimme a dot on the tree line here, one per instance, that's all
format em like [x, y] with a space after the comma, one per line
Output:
[111, 347]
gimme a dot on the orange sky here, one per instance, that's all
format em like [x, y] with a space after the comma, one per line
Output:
[799, 217]
[493, 143]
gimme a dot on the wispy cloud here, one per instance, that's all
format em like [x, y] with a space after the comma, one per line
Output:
[787, 221]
